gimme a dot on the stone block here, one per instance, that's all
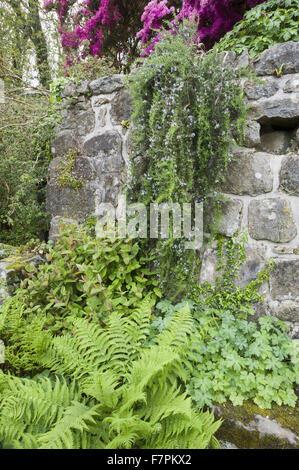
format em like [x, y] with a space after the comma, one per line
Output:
[228, 58]
[112, 187]
[243, 59]
[286, 54]
[68, 202]
[288, 311]
[100, 100]
[69, 91]
[249, 173]
[121, 107]
[113, 163]
[208, 272]
[252, 134]
[289, 175]
[253, 265]
[276, 142]
[81, 123]
[83, 88]
[74, 196]
[284, 281]
[102, 145]
[63, 142]
[292, 85]
[250, 427]
[256, 91]
[228, 221]
[282, 111]
[271, 219]
[101, 116]
[107, 84]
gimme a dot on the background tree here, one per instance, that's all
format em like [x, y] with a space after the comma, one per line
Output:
[101, 27]
[21, 28]
[26, 119]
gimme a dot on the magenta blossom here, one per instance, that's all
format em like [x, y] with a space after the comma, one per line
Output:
[86, 24]
[215, 18]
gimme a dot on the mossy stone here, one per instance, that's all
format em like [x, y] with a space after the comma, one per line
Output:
[7, 250]
[250, 427]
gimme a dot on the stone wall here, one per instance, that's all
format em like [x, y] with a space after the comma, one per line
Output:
[95, 126]
[262, 185]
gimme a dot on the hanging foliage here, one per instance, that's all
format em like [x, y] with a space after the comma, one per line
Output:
[186, 106]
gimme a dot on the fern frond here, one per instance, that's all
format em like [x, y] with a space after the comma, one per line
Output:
[138, 324]
[103, 387]
[107, 390]
[165, 401]
[179, 328]
[76, 417]
[153, 361]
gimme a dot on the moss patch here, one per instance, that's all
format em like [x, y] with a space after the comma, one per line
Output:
[7, 250]
[244, 426]
[65, 171]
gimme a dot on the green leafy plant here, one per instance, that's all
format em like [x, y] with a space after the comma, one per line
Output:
[225, 293]
[279, 72]
[56, 87]
[104, 389]
[91, 68]
[270, 23]
[84, 276]
[233, 358]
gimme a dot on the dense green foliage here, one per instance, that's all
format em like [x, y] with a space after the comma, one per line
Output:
[228, 357]
[240, 360]
[26, 126]
[270, 23]
[23, 35]
[83, 277]
[104, 389]
[91, 359]
[92, 68]
[186, 105]
[233, 358]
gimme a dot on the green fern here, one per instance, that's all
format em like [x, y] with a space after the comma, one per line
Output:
[107, 389]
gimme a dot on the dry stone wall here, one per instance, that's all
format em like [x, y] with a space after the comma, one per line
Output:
[262, 184]
[90, 150]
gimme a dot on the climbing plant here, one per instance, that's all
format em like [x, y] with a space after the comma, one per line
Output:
[186, 106]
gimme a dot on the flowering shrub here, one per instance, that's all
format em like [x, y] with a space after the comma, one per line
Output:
[184, 114]
[214, 17]
[111, 26]
[97, 27]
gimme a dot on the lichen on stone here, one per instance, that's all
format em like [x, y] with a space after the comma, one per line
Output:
[65, 171]
[250, 427]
